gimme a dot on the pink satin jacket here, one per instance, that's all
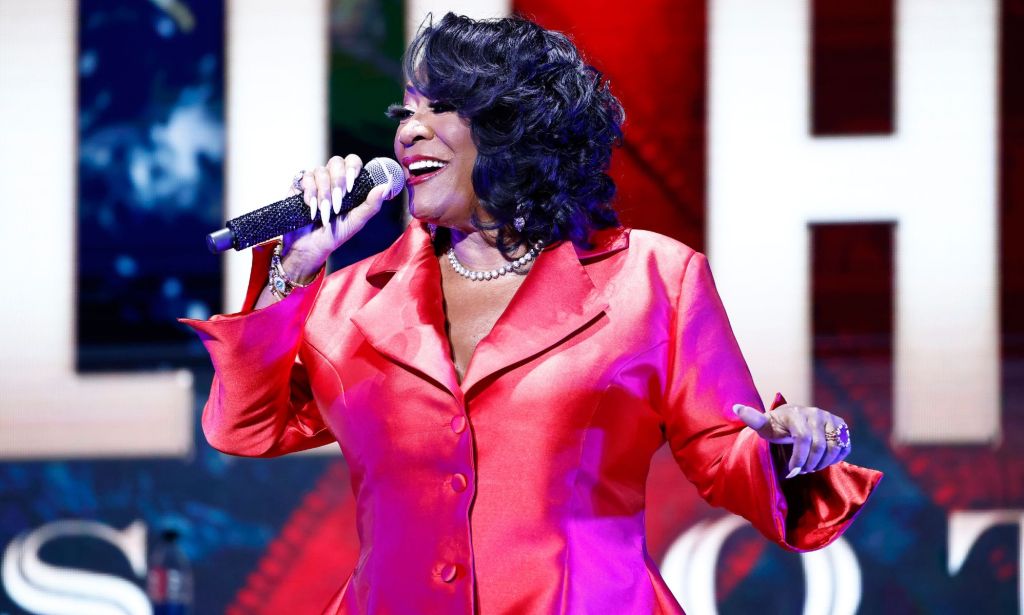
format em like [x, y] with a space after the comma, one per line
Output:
[520, 489]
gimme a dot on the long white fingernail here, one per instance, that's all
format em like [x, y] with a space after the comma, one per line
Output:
[311, 201]
[794, 472]
[350, 181]
[336, 199]
[325, 212]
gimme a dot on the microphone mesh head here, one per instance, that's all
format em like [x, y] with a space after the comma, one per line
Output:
[387, 171]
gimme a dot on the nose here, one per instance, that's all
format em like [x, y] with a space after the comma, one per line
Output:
[413, 130]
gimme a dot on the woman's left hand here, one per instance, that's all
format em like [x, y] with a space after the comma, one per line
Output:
[819, 438]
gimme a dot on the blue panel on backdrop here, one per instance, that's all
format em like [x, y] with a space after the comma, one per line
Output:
[150, 170]
[367, 42]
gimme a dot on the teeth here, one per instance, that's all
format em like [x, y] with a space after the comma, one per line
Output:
[419, 165]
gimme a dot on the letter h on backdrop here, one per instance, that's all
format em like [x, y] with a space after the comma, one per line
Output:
[934, 178]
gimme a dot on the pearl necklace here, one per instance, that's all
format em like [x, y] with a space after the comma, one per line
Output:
[493, 274]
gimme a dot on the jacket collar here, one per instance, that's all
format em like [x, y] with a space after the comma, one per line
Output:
[405, 320]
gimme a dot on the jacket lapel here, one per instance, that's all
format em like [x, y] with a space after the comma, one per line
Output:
[556, 299]
[405, 320]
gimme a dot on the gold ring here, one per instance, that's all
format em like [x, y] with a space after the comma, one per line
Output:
[839, 437]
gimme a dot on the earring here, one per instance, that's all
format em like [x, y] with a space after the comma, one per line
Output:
[519, 223]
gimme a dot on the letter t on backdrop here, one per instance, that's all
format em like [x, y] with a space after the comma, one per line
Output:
[935, 177]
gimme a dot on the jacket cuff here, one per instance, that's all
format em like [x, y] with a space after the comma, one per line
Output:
[810, 511]
[816, 508]
[292, 310]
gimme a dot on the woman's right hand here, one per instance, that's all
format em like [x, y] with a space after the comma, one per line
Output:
[305, 250]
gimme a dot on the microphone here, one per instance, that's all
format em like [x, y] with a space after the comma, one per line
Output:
[289, 214]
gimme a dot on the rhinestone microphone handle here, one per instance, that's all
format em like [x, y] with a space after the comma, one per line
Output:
[287, 215]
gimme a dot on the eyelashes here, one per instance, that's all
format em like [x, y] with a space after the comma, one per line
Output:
[400, 114]
[441, 107]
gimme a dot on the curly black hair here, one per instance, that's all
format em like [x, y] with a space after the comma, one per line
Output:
[543, 120]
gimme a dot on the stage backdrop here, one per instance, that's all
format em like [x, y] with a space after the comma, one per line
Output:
[943, 533]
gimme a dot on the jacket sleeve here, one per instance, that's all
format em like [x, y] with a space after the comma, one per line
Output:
[261, 403]
[731, 466]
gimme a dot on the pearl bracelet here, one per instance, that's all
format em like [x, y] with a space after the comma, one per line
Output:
[280, 284]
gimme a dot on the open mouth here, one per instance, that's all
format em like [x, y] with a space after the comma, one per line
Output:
[423, 169]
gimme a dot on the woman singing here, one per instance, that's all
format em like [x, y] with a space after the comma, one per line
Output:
[499, 378]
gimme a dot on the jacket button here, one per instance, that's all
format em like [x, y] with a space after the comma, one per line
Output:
[449, 572]
[459, 424]
[459, 482]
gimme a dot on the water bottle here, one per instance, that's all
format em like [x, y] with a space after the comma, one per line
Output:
[169, 581]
